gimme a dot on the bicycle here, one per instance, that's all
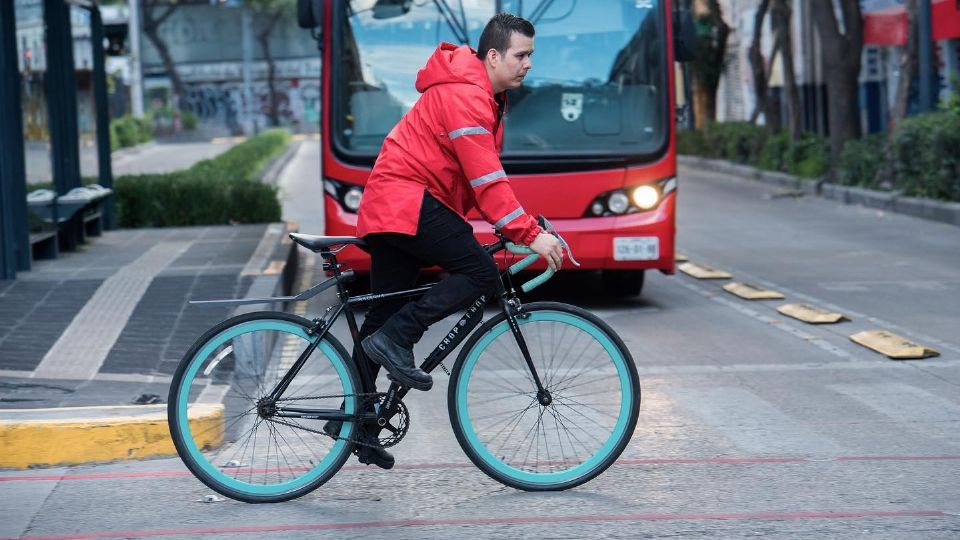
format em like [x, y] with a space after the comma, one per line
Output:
[543, 396]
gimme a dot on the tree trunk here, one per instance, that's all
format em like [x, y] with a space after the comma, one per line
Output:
[722, 33]
[908, 65]
[263, 37]
[151, 27]
[780, 17]
[757, 67]
[841, 66]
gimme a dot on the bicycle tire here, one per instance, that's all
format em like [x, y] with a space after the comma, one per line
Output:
[480, 353]
[231, 355]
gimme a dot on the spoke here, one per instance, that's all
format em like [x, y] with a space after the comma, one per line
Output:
[515, 424]
[570, 420]
[570, 436]
[563, 400]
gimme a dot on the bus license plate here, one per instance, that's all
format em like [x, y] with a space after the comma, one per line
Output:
[643, 248]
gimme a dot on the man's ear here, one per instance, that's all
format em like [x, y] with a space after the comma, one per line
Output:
[493, 56]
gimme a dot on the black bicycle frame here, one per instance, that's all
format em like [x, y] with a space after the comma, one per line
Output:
[464, 326]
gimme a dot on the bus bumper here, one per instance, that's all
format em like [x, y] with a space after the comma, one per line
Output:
[593, 240]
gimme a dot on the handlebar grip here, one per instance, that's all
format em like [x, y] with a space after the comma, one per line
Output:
[527, 261]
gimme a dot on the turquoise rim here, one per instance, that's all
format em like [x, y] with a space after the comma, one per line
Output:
[183, 397]
[544, 479]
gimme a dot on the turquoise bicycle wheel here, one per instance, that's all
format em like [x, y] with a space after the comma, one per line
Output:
[505, 427]
[231, 438]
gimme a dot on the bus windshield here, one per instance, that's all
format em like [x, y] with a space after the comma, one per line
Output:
[598, 86]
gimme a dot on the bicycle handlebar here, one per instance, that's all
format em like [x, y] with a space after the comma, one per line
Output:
[532, 256]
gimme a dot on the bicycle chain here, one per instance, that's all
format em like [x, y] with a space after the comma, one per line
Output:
[365, 395]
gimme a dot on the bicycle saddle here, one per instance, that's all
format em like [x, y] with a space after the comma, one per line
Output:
[317, 243]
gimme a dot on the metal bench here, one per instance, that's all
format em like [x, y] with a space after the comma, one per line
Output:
[48, 212]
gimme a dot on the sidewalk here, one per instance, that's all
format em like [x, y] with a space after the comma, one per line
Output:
[89, 341]
[106, 326]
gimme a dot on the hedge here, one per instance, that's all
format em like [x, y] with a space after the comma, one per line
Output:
[129, 131]
[925, 152]
[222, 190]
[743, 142]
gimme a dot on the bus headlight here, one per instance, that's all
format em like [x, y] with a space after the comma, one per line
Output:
[636, 198]
[352, 199]
[618, 202]
[645, 197]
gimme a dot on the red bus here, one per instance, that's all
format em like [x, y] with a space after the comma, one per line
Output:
[589, 141]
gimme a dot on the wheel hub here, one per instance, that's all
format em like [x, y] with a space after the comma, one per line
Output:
[266, 408]
[544, 398]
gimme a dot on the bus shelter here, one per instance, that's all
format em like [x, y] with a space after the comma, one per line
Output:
[52, 43]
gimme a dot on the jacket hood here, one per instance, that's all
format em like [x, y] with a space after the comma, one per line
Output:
[453, 64]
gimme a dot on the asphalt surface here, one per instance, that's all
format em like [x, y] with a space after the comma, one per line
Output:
[752, 424]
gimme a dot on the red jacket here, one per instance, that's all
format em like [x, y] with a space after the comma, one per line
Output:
[447, 144]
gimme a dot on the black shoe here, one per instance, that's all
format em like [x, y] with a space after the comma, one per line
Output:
[398, 361]
[375, 455]
[332, 428]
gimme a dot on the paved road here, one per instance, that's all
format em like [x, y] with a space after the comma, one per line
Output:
[752, 425]
[148, 158]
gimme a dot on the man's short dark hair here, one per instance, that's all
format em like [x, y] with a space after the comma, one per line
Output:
[496, 35]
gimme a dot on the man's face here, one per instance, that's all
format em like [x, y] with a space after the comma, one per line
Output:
[509, 69]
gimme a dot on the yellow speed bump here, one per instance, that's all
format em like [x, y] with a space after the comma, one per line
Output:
[892, 345]
[811, 314]
[702, 271]
[71, 435]
[751, 292]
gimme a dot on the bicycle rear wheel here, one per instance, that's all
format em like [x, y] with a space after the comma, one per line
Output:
[224, 429]
[504, 428]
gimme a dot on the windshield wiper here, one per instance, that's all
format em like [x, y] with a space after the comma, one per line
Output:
[459, 28]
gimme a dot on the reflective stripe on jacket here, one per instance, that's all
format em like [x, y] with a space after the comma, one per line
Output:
[449, 145]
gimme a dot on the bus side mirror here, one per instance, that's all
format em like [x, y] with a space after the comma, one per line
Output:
[309, 13]
[684, 36]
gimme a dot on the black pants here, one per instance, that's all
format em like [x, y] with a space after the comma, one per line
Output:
[443, 239]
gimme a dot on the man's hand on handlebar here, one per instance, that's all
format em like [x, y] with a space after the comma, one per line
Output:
[547, 246]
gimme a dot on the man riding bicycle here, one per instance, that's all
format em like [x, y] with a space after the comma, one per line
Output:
[440, 161]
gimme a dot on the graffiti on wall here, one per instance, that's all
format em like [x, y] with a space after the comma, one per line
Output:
[298, 102]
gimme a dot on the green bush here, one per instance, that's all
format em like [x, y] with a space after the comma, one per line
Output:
[189, 120]
[809, 156]
[225, 189]
[861, 160]
[690, 143]
[740, 142]
[129, 131]
[773, 157]
[927, 163]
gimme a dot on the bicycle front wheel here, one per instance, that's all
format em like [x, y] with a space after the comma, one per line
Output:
[231, 437]
[504, 427]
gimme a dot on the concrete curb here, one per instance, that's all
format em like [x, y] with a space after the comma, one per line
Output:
[32, 438]
[892, 201]
[271, 172]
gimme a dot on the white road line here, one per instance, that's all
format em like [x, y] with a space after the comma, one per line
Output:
[85, 344]
[752, 423]
[902, 402]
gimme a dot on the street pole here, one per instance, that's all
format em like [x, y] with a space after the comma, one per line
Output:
[925, 35]
[105, 176]
[14, 224]
[136, 73]
[247, 39]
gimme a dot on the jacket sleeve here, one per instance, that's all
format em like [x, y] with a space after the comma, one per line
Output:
[469, 124]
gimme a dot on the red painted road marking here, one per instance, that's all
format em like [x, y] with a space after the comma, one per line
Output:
[597, 518]
[437, 466]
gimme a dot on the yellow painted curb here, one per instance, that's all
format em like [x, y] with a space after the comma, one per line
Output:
[305, 137]
[811, 314]
[892, 345]
[68, 436]
[680, 258]
[702, 271]
[751, 292]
